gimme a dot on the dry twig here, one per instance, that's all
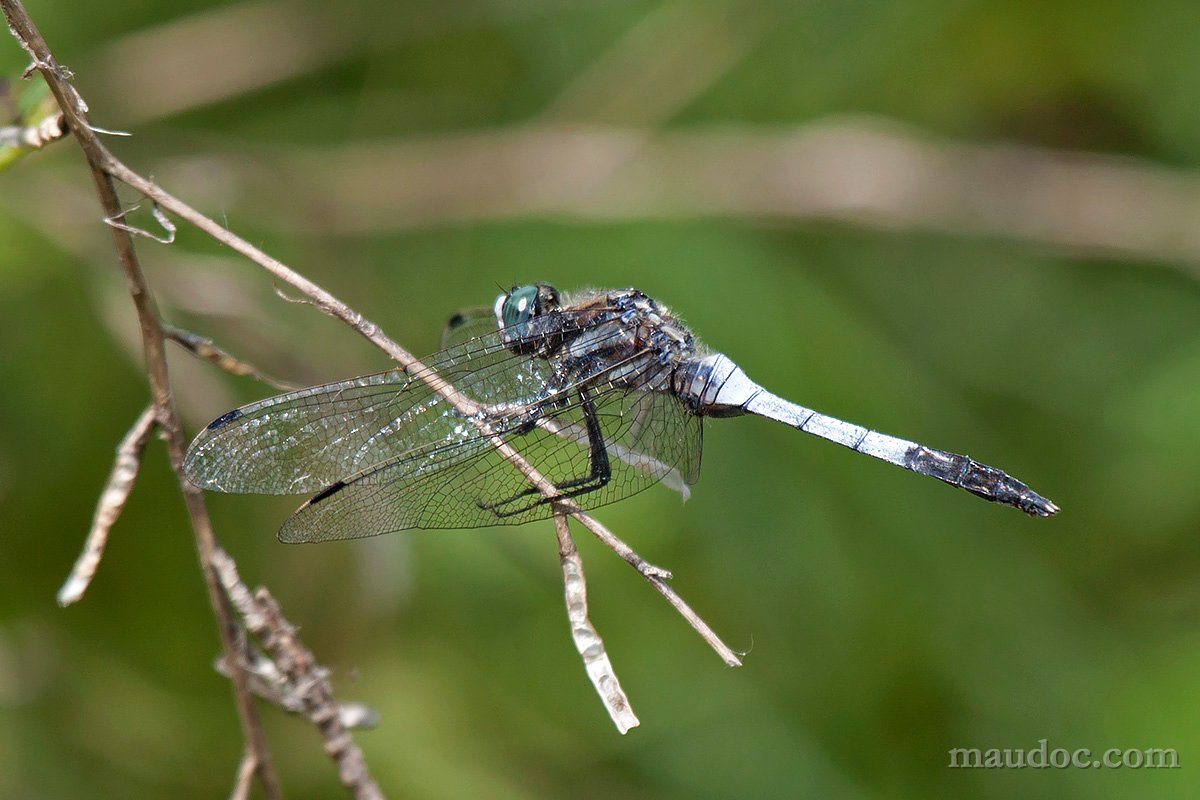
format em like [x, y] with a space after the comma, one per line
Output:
[204, 349]
[74, 110]
[244, 781]
[307, 684]
[331, 305]
[112, 500]
[119, 223]
[587, 641]
[33, 137]
[270, 683]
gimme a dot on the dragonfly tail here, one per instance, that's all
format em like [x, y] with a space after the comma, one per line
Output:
[958, 470]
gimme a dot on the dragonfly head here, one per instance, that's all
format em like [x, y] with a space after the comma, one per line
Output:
[516, 308]
[523, 303]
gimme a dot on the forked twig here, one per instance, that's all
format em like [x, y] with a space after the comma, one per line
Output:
[334, 307]
[658, 578]
[308, 682]
[108, 509]
[587, 641]
[205, 350]
[270, 683]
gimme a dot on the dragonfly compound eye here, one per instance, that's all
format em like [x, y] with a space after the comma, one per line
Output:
[518, 306]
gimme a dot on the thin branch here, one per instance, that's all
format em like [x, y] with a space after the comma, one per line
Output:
[204, 349]
[271, 684]
[309, 682]
[245, 776]
[587, 641]
[658, 578]
[112, 501]
[74, 110]
[32, 128]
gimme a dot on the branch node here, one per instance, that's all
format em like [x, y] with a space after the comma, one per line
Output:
[33, 67]
[101, 164]
[34, 137]
[263, 616]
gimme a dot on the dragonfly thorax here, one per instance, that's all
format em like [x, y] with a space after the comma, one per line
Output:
[618, 334]
[635, 340]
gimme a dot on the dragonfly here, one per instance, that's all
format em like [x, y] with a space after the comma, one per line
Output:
[603, 393]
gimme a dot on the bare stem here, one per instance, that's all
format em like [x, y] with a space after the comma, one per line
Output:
[309, 691]
[108, 509]
[74, 110]
[16, 140]
[245, 777]
[204, 349]
[587, 641]
[658, 578]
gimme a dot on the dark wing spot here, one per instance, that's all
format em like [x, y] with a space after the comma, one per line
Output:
[327, 492]
[224, 419]
[456, 320]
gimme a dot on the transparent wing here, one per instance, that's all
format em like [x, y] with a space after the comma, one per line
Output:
[467, 324]
[648, 436]
[306, 440]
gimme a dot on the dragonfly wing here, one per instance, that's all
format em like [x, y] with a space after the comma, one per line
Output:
[400, 495]
[301, 441]
[306, 440]
[662, 439]
[656, 438]
[649, 436]
[395, 496]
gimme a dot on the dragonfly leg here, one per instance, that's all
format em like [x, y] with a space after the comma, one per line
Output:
[598, 476]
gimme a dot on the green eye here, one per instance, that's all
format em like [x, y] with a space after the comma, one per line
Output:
[520, 305]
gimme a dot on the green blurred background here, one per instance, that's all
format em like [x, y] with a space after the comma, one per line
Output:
[881, 210]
